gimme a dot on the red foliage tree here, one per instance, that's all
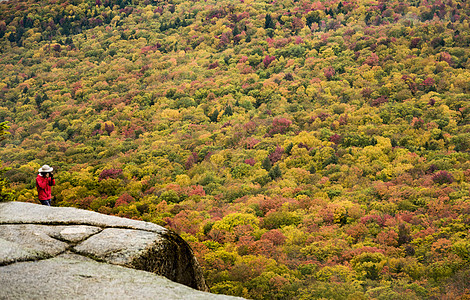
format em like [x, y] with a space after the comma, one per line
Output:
[268, 59]
[279, 125]
[124, 199]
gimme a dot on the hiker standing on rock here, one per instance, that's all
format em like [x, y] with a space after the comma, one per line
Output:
[44, 181]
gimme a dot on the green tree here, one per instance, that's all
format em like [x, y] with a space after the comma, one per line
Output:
[275, 172]
[266, 164]
[268, 22]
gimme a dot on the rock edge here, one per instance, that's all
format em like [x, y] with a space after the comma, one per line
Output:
[31, 232]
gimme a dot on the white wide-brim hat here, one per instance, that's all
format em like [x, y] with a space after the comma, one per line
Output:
[46, 169]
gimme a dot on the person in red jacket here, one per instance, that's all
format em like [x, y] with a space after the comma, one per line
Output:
[44, 181]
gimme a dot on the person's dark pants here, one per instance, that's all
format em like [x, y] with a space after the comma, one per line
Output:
[46, 202]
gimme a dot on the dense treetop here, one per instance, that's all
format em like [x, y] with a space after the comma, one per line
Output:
[304, 149]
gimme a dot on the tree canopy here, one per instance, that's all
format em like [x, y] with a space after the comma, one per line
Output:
[305, 149]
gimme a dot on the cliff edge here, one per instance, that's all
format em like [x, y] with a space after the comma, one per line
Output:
[57, 252]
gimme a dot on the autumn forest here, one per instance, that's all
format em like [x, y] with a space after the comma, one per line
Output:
[304, 149]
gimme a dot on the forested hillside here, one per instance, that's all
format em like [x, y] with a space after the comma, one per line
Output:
[305, 149]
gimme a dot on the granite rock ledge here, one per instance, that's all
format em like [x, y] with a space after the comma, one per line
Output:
[85, 254]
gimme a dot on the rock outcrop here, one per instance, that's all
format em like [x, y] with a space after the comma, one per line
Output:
[57, 252]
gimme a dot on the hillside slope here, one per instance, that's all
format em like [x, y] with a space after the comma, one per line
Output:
[304, 149]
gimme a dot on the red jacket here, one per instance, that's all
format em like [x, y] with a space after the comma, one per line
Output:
[43, 184]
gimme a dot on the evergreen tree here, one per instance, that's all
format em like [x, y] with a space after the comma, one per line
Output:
[268, 22]
[214, 116]
[266, 164]
[289, 148]
[228, 111]
[275, 172]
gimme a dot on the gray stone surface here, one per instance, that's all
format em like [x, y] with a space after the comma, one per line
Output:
[69, 278]
[28, 213]
[11, 252]
[35, 237]
[31, 241]
[118, 246]
[73, 234]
